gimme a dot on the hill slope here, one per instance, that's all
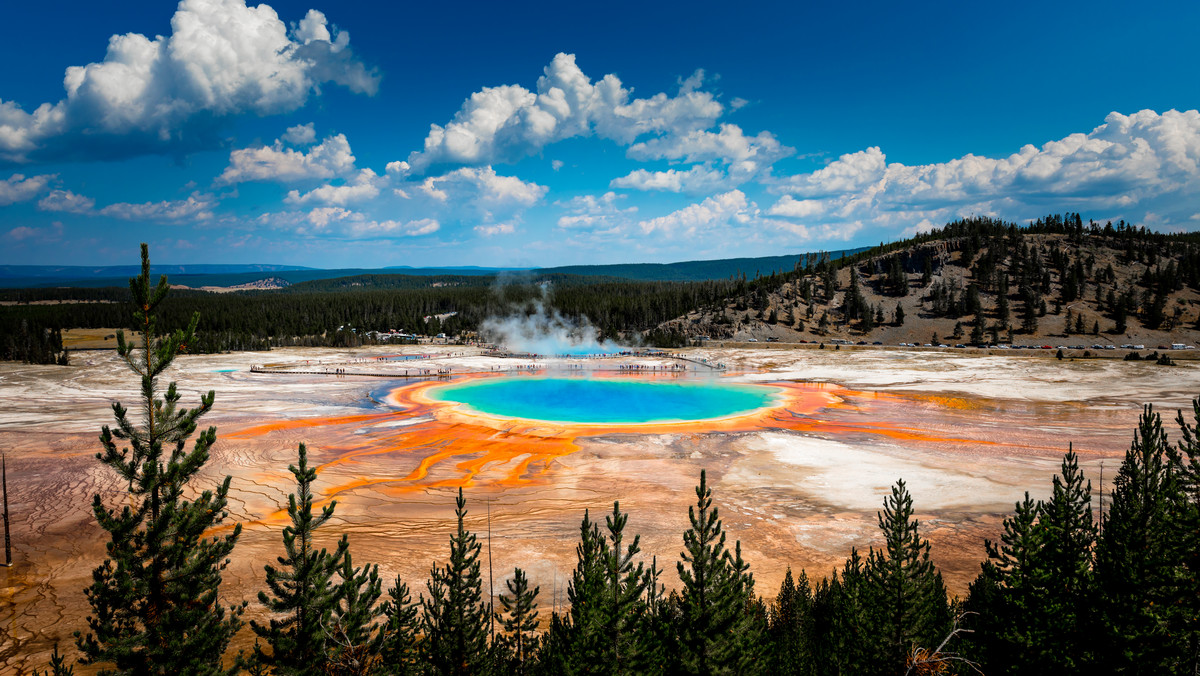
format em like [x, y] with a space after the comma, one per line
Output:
[1056, 281]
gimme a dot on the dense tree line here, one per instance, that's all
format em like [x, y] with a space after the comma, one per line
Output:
[311, 314]
[32, 340]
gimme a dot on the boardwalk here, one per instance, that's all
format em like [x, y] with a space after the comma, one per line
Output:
[377, 367]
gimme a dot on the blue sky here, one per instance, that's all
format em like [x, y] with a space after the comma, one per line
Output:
[369, 134]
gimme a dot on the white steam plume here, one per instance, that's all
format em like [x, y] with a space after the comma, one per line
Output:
[546, 332]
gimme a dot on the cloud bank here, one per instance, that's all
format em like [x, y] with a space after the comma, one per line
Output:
[1144, 166]
[506, 123]
[172, 94]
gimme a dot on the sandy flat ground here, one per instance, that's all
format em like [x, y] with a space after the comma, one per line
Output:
[969, 434]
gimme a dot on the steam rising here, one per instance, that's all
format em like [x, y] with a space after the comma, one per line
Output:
[544, 331]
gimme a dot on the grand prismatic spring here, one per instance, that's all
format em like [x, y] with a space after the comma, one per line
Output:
[800, 445]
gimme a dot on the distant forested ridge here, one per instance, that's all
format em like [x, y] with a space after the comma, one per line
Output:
[200, 275]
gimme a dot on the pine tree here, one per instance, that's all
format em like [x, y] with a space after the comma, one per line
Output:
[1033, 600]
[554, 648]
[302, 593]
[788, 626]
[908, 598]
[623, 605]
[840, 636]
[521, 621]
[354, 637]
[977, 330]
[584, 633]
[1185, 460]
[155, 603]
[58, 665]
[1137, 563]
[750, 638]
[1063, 621]
[456, 618]
[399, 648]
[715, 597]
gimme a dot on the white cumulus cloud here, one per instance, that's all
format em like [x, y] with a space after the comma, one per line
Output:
[364, 186]
[171, 94]
[300, 135]
[794, 208]
[339, 222]
[482, 186]
[332, 157]
[699, 179]
[505, 123]
[497, 229]
[729, 145]
[1131, 166]
[19, 188]
[716, 211]
[595, 213]
[66, 201]
[194, 208]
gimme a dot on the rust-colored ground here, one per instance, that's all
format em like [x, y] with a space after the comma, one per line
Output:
[799, 484]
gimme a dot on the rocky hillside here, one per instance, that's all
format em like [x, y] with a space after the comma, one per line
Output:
[1056, 280]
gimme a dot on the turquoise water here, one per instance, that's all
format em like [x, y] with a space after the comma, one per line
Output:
[224, 370]
[588, 400]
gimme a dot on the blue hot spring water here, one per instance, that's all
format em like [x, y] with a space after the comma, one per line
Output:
[596, 400]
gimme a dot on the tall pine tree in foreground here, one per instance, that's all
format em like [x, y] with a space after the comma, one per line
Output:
[623, 606]
[1138, 564]
[519, 620]
[354, 637]
[790, 626]
[155, 599]
[584, 635]
[1186, 461]
[456, 618]
[1065, 619]
[908, 599]
[303, 594]
[717, 634]
[1032, 606]
[399, 648]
